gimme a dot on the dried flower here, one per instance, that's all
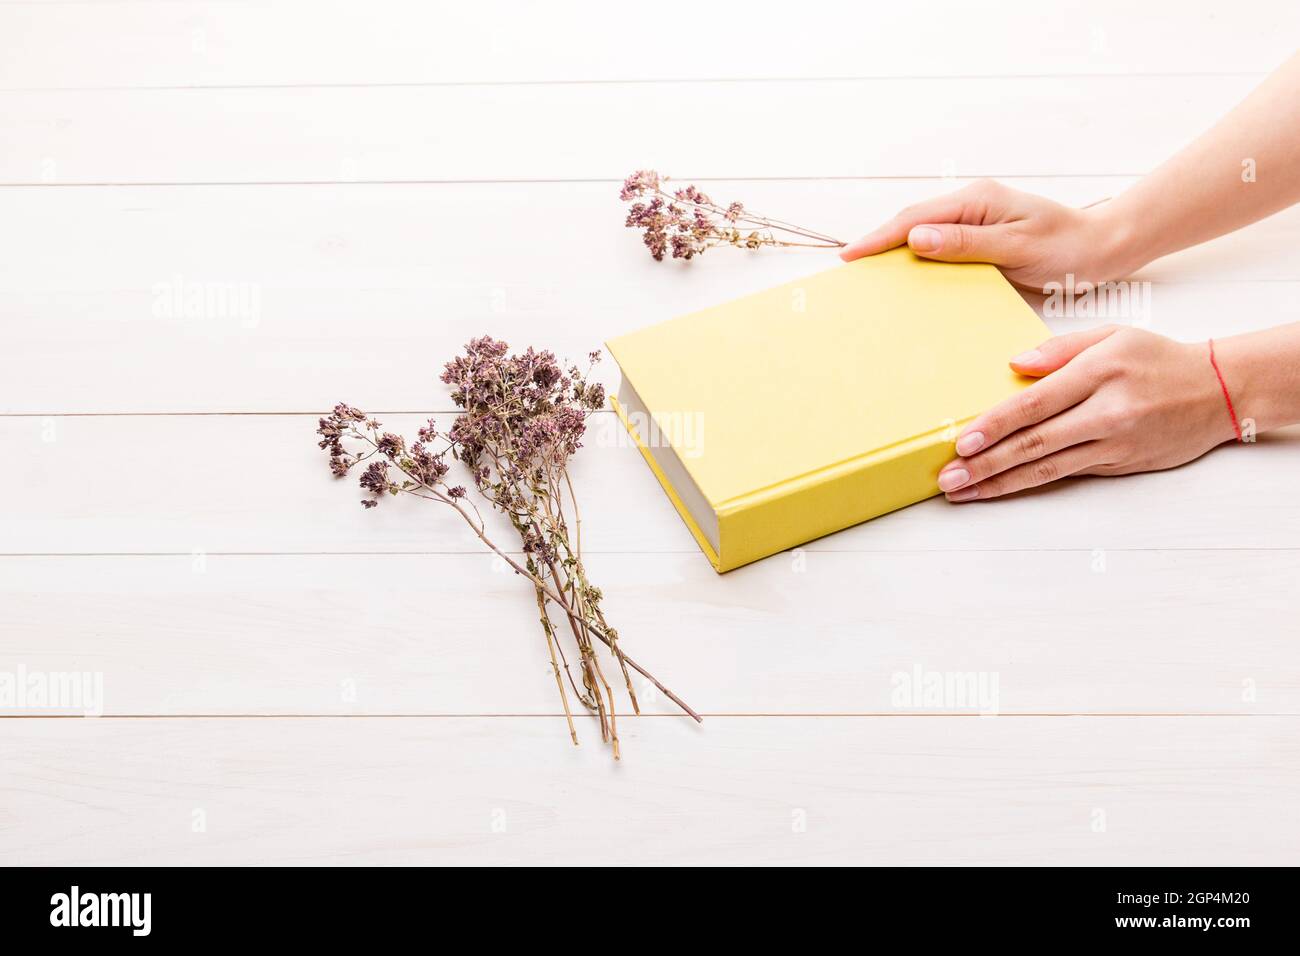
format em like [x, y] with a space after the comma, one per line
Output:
[523, 417]
[687, 222]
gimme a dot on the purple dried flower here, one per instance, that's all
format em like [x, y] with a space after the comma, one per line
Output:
[375, 478]
[688, 222]
[645, 180]
[390, 445]
[425, 467]
[522, 417]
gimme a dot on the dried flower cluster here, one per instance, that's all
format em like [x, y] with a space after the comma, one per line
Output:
[523, 417]
[686, 222]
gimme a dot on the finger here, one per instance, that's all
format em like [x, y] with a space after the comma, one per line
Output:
[957, 242]
[1040, 401]
[1031, 474]
[1028, 444]
[1055, 352]
[894, 232]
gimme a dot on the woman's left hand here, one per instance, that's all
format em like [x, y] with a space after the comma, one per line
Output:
[1112, 401]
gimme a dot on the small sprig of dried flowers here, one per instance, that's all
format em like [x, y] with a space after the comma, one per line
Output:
[523, 418]
[687, 222]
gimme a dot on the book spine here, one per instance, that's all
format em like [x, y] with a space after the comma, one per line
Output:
[795, 512]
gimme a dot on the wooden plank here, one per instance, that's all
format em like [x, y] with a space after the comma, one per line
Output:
[884, 127]
[416, 41]
[1019, 632]
[304, 294]
[70, 353]
[1081, 791]
[259, 484]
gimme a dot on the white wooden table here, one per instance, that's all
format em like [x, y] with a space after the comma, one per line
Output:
[290, 679]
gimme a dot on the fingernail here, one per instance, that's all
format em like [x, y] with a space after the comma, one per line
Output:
[970, 443]
[1032, 357]
[966, 494]
[924, 238]
[953, 479]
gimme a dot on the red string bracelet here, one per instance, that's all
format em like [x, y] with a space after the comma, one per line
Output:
[1232, 412]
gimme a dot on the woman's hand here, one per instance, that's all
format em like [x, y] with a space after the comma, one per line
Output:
[1113, 401]
[1033, 240]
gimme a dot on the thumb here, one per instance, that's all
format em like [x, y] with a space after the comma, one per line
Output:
[956, 242]
[1056, 352]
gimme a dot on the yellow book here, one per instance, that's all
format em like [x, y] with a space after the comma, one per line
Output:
[804, 409]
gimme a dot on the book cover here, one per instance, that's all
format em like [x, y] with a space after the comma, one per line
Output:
[801, 410]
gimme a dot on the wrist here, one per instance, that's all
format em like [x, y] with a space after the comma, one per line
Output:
[1255, 369]
[1226, 423]
[1114, 236]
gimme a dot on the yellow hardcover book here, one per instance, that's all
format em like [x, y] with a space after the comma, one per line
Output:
[804, 409]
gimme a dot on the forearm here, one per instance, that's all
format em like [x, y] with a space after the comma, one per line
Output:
[1245, 168]
[1262, 373]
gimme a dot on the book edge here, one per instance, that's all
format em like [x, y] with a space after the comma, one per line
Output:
[700, 538]
[920, 446]
[847, 466]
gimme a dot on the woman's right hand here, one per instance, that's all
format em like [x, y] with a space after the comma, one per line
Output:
[1033, 240]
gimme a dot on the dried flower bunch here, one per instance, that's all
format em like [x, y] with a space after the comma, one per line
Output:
[523, 418]
[687, 222]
